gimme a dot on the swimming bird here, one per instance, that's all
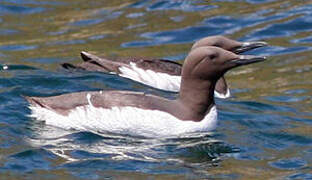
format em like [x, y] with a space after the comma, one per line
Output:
[161, 73]
[137, 113]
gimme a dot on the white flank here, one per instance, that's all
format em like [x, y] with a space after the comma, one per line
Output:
[158, 80]
[124, 120]
[155, 79]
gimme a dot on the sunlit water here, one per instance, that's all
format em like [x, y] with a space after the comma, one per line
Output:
[265, 129]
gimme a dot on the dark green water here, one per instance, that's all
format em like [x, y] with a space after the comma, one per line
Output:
[265, 129]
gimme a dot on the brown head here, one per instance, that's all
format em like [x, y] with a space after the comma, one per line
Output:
[201, 70]
[228, 44]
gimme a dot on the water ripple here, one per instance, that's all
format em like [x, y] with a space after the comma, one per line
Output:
[135, 15]
[18, 47]
[249, 1]
[87, 22]
[282, 141]
[100, 17]
[228, 25]
[69, 42]
[8, 31]
[188, 34]
[300, 176]
[286, 98]
[303, 40]
[47, 60]
[34, 2]
[14, 9]
[30, 160]
[179, 5]
[288, 28]
[293, 163]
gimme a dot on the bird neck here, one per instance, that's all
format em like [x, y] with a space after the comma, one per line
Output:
[196, 97]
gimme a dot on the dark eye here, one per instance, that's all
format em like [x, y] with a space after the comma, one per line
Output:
[212, 56]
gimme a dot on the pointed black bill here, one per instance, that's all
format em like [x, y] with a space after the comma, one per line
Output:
[246, 46]
[247, 59]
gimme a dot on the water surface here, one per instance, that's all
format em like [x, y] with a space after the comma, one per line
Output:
[264, 129]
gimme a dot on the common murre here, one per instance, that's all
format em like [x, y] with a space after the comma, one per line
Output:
[148, 115]
[161, 73]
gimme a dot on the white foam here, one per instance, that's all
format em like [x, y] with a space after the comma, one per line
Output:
[124, 120]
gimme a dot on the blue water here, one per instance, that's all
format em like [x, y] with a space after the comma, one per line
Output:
[265, 129]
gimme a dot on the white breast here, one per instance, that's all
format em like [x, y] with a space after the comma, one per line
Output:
[124, 120]
[158, 80]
